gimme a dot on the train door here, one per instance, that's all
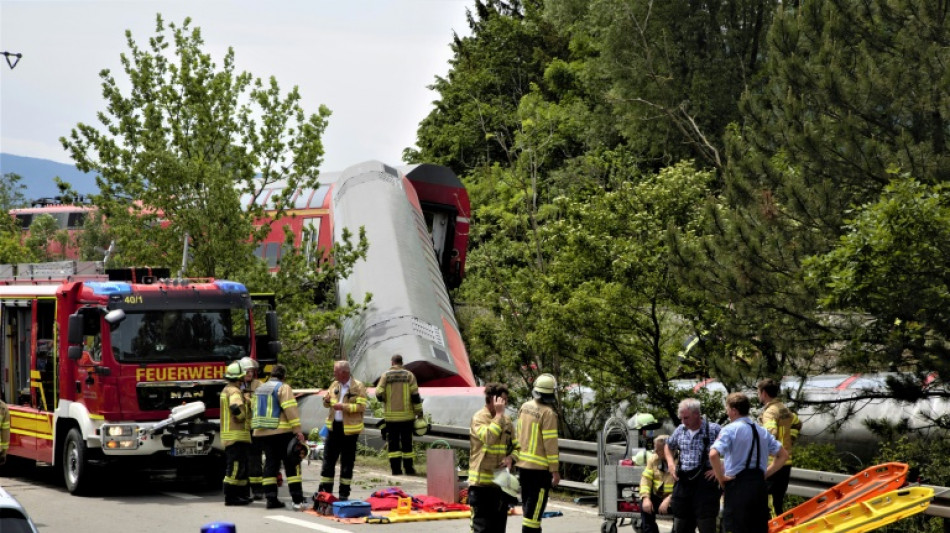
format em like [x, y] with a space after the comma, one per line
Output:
[438, 225]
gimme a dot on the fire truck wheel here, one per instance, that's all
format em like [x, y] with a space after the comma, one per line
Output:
[75, 467]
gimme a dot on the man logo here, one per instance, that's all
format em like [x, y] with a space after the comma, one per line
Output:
[185, 395]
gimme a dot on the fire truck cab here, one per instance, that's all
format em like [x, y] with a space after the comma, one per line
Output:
[124, 365]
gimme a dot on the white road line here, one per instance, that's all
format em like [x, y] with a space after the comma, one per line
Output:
[182, 495]
[306, 524]
[572, 508]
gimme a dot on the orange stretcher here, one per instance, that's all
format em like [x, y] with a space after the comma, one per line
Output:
[872, 513]
[866, 484]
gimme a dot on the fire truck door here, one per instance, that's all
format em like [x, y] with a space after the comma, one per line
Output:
[89, 380]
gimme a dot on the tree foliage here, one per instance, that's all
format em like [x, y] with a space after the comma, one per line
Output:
[188, 147]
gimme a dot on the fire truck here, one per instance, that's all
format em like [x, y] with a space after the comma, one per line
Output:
[122, 366]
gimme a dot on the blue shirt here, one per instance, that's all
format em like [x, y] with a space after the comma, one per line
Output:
[735, 443]
[692, 447]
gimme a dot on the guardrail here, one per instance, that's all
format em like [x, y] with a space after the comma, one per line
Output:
[806, 483]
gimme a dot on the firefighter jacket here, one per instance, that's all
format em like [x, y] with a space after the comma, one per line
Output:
[399, 392]
[491, 441]
[537, 437]
[275, 410]
[657, 479]
[354, 405]
[783, 424]
[235, 422]
[4, 427]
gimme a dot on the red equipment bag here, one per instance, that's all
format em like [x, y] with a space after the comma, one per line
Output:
[323, 503]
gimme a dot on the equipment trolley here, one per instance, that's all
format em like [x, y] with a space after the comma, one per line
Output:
[618, 484]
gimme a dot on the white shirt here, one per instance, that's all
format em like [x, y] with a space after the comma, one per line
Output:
[344, 390]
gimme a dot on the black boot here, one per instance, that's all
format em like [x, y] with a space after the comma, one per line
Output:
[396, 467]
[407, 466]
[274, 503]
[232, 496]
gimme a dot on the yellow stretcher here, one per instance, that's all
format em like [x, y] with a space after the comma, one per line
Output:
[393, 518]
[870, 514]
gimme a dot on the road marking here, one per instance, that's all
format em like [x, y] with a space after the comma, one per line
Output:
[182, 495]
[571, 508]
[306, 524]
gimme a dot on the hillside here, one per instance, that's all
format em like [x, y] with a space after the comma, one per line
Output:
[38, 175]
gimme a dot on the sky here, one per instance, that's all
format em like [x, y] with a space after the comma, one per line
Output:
[369, 61]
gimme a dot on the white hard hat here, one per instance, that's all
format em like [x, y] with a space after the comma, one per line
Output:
[507, 482]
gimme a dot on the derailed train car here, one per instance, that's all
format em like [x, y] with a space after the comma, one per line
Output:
[410, 312]
[416, 218]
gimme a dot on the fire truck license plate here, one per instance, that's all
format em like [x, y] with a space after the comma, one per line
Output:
[190, 449]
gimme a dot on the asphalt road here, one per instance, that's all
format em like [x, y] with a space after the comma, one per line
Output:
[126, 502]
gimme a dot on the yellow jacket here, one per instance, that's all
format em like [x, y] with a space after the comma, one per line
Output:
[656, 480]
[537, 437]
[4, 427]
[289, 415]
[354, 405]
[234, 427]
[783, 424]
[399, 392]
[490, 444]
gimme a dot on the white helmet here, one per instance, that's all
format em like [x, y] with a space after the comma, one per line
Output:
[248, 364]
[545, 384]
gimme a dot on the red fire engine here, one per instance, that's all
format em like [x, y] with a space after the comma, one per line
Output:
[122, 366]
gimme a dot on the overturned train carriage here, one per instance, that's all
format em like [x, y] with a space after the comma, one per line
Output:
[410, 312]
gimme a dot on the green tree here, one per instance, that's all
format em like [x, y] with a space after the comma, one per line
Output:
[12, 192]
[188, 148]
[671, 72]
[474, 121]
[47, 239]
[839, 111]
[890, 270]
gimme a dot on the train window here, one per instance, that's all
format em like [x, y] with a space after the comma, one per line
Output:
[311, 232]
[76, 220]
[319, 196]
[259, 251]
[25, 219]
[302, 198]
[272, 254]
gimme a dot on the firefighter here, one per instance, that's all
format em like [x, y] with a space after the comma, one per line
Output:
[346, 399]
[4, 431]
[696, 492]
[656, 486]
[538, 451]
[492, 448]
[255, 452]
[398, 391]
[785, 426]
[276, 422]
[235, 435]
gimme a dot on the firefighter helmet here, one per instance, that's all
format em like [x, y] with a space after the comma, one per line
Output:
[545, 384]
[644, 421]
[248, 364]
[507, 482]
[420, 427]
[296, 450]
[234, 371]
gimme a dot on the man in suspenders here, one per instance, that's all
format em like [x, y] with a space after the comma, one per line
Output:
[745, 446]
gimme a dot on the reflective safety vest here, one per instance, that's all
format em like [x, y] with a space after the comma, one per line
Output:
[537, 437]
[656, 479]
[783, 424]
[490, 443]
[399, 392]
[267, 406]
[234, 428]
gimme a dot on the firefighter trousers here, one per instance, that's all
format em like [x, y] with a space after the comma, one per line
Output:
[275, 453]
[342, 447]
[535, 489]
[489, 508]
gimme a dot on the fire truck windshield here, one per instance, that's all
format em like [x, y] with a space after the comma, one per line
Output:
[177, 335]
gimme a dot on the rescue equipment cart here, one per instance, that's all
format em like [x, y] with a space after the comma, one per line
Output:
[617, 483]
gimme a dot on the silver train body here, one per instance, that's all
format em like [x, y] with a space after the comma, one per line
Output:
[410, 312]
